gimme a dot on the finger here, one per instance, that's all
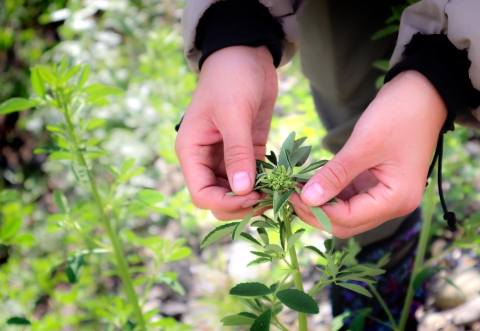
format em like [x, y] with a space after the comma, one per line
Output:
[369, 209]
[207, 190]
[224, 216]
[338, 231]
[239, 155]
[336, 175]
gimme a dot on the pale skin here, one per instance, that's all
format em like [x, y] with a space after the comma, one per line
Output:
[378, 175]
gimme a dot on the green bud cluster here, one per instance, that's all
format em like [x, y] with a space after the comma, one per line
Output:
[279, 179]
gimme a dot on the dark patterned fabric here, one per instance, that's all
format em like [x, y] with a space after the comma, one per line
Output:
[392, 285]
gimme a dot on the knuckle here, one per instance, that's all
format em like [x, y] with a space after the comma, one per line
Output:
[236, 153]
[335, 174]
[412, 201]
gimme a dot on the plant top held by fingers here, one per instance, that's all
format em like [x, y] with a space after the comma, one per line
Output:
[279, 177]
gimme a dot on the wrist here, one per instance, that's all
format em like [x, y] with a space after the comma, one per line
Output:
[421, 100]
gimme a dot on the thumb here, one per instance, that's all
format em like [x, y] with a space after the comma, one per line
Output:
[331, 179]
[239, 157]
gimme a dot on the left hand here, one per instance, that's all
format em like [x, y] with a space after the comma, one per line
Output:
[381, 171]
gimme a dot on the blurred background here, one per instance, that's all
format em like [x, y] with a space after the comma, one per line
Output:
[136, 46]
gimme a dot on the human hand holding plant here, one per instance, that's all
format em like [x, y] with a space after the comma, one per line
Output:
[381, 171]
[225, 129]
[278, 178]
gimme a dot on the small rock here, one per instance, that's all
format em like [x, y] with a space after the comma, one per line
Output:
[467, 281]
[433, 322]
[468, 313]
[476, 326]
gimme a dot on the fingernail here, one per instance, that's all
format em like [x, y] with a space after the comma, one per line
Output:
[313, 194]
[241, 181]
[249, 203]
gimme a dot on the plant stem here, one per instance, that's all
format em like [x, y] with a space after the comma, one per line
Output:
[384, 306]
[117, 248]
[422, 245]
[297, 278]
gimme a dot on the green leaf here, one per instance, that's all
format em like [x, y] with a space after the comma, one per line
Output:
[332, 201]
[47, 75]
[422, 277]
[98, 91]
[248, 238]
[61, 202]
[241, 226]
[254, 289]
[288, 143]
[10, 228]
[70, 73]
[218, 233]
[180, 253]
[262, 224]
[247, 314]
[261, 254]
[283, 159]
[293, 239]
[339, 320]
[262, 323]
[234, 320]
[357, 324]
[300, 156]
[264, 164]
[150, 197]
[50, 149]
[95, 123]
[7, 194]
[74, 268]
[382, 65]
[82, 176]
[275, 248]
[84, 76]
[127, 166]
[322, 218]
[356, 288]
[272, 158]
[61, 156]
[364, 269]
[298, 301]
[331, 265]
[386, 31]
[37, 83]
[269, 221]
[277, 204]
[297, 143]
[26, 239]
[379, 82]
[329, 245]
[16, 104]
[316, 250]
[18, 321]
[170, 279]
[53, 128]
[383, 260]
[313, 166]
[259, 261]
[263, 235]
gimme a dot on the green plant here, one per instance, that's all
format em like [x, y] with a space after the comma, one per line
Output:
[63, 87]
[279, 179]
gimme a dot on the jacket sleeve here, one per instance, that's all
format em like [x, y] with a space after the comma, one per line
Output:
[457, 21]
[284, 11]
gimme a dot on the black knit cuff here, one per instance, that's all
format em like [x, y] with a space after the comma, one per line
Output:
[445, 67]
[235, 23]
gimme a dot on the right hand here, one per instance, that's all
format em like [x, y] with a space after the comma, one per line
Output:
[225, 128]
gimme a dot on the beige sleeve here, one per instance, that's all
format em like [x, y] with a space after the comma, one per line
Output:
[460, 21]
[285, 11]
